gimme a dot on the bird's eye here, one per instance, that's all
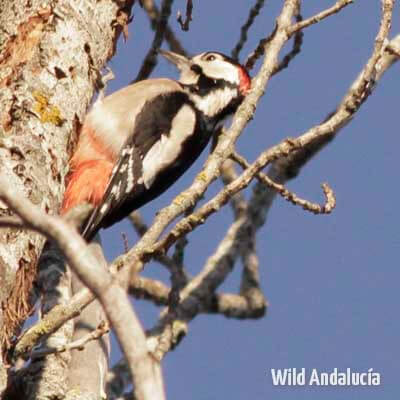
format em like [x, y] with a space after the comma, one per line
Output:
[210, 58]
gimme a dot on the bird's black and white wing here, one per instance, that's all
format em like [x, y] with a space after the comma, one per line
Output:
[161, 128]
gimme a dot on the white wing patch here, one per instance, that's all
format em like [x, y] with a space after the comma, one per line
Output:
[116, 190]
[165, 151]
[130, 181]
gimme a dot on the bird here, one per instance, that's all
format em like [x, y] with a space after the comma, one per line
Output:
[136, 142]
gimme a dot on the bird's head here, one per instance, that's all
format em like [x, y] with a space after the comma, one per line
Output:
[216, 83]
[210, 68]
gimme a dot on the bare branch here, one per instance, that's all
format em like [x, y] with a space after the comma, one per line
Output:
[336, 123]
[365, 87]
[145, 371]
[58, 315]
[137, 222]
[79, 344]
[187, 224]
[11, 222]
[294, 29]
[250, 303]
[199, 293]
[189, 10]
[259, 51]
[392, 49]
[289, 167]
[296, 49]
[154, 15]
[251, 306]
[164, 260]
[319, 17]
[117, 380]
[53, 320]
[150, 60]
[357, 95]
[228, 174]
[290, 196]
[223, 148]
[76, 216]
[149, 289]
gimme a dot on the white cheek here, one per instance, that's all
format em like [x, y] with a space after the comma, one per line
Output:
[222, 70]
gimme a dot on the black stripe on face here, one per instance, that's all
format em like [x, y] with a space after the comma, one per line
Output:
[196, 69]
[206, 85]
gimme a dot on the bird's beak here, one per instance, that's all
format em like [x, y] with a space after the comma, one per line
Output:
[187, 75]
[181, 62]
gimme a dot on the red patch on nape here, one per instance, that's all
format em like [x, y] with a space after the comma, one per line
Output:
[245, 81]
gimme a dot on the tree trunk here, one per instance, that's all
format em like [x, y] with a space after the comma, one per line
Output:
[50, 57]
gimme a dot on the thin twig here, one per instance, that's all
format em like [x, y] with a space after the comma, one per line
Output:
[263, 44]
[154, 15]
[188, 18]
[141, 228]
[199, 293]
[254, 11]
[250, 306]
[319, 17]
[125, 241]
[393, 50]
[12, 222]
[79, 344]
[296, 49]
[250, 303]
[149, 289]
[103, 82]
[259, 51]
[118, 378]
[150, 60]
[137, 222]
[229, 174]
[330, 200]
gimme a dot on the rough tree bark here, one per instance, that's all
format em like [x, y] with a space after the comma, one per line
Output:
[50, 57]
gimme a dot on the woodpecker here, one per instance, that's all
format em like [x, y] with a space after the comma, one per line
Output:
[135, 143]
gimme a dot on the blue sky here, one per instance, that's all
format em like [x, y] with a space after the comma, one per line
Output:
[332, 282]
